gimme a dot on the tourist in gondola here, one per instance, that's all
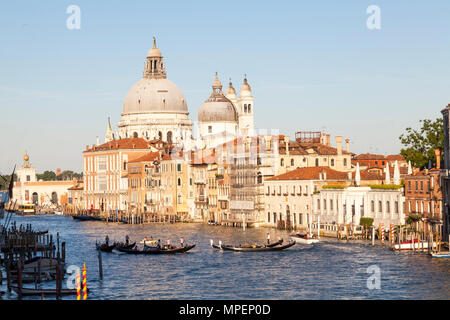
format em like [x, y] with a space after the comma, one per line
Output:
[268, 238]
[181, 242]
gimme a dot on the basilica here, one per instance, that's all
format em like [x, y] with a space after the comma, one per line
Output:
[156, 109]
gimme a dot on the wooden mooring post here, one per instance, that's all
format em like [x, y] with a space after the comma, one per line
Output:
[100, 265]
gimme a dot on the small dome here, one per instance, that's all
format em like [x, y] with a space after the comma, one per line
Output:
[26, 157]
[154, 96]
[217, 108]
[245, 90]
[231, 92]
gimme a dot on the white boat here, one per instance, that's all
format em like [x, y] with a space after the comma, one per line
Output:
[305, 239]
[441, 255]
[408, 245]
[149, 243]
[59, 213]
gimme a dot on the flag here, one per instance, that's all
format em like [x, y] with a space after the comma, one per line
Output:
[11, 185]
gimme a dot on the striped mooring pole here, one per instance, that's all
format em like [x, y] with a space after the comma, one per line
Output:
[382, 233]
[78, 285]
[392, 234]
[84, 282]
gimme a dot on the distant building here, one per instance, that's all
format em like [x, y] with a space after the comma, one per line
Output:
[105, 169]
[27, 189]
[445, 174]
[423, 196]
[349, 205]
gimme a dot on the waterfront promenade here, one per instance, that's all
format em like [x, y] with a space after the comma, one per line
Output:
[328, 270]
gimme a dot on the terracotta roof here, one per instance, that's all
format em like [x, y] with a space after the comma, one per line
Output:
[369, 156]
[149, 157]
[311, 173]
[395, 157]
[127, 143]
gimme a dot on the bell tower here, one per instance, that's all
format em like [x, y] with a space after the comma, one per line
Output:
[245, 109]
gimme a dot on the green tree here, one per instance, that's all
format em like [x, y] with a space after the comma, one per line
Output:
[420, 144]
[47, 176]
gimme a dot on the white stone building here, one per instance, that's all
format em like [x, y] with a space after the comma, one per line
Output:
[348, 205]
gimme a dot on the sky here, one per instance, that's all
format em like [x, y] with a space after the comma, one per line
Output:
[312, 66]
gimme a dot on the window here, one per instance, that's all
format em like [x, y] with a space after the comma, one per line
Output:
[292, 162]
[179, 182]
[268, 216]
[249, 108]
[396, 206]
[345, 162]
[124, 165]
[332, 162]
[209, 129]
[372, 206]
[282, 162]
[318, 204]
[28, 178]
[409, 186]
[179, 167]
[380, 206]
[331, 204]
[324, 204]
[180, 199]
[317, 162]
[388, 207]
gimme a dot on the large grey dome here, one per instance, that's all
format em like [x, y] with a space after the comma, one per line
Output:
[155, 96]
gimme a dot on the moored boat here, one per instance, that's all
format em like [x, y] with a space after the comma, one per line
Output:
[303, 238]
[410, 244]
[45, 292]
[440, 255]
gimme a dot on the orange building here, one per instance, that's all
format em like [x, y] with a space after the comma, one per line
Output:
[105, 169]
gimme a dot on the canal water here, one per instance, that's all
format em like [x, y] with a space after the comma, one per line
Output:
[327, 270]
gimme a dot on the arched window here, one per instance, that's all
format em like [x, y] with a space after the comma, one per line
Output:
[317, 162]
[35, 198]
[135, 134]
[282, 162]
[292, 162]
[160, 135]
[245, 108]
[179, 182]
[259, 177]
[169, 137]
[54, 198]
[332, 162]
[249, 108]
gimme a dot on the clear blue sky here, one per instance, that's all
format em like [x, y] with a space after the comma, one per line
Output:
[312, 65]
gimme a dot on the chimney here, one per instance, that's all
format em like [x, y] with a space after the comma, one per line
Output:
[268, 143]
[328, 140]
[324, 137]
[339, 145]
[347, 145]
[286, 142]
[437, 153]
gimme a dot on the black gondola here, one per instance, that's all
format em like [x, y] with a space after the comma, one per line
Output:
[156, 250]
[104, 247]
[125, 246]
[254, 248]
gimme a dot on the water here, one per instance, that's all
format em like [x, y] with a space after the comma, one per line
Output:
[327, 270]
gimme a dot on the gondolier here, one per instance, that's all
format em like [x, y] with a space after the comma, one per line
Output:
[127, 239]
[107, 240]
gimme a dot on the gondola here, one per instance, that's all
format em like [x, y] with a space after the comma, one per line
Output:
[270, 245]
[87, 218]
[155, 250]
[254, 248]
[104, 247]
[125, 246]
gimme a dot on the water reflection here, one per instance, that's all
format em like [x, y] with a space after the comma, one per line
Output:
[328, 270]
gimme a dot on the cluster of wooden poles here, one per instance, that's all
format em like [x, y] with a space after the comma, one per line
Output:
[21, 245]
